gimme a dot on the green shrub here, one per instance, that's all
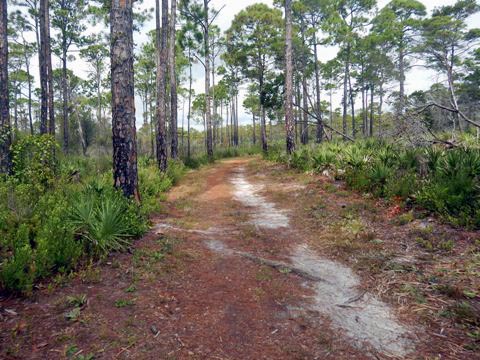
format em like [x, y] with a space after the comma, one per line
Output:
[105, 220]
[175, 171]
[355, 157]
[52, 215]
[378, 174]
[301, 159]
[34, 160]
[57, 249]
[453, 190]
[444, 182]
[323, 159]
[401, 185]
[18, 272]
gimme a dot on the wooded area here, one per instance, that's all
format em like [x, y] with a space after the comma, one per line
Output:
[82, 168]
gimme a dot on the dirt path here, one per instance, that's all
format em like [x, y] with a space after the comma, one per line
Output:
[245, 264]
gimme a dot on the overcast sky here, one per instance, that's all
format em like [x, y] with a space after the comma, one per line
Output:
[417, 79]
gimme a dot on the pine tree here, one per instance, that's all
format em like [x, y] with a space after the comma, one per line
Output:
[123, 99]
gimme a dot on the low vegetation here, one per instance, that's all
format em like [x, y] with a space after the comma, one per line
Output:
[443, 181]
[56, 214]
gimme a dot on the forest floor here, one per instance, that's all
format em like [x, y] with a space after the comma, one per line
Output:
[251, 260]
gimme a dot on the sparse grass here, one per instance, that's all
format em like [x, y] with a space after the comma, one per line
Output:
[414, 292]
[77, 300]
[132, 288]
[405, 218]
[73, 314]
[121, 303]
[264, 274]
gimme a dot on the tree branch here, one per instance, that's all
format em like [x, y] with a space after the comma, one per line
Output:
[325, 125]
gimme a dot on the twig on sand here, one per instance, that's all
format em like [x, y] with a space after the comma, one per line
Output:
[279, 266]
[123, 350]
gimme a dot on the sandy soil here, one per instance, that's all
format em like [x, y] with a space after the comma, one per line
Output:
[251, 261]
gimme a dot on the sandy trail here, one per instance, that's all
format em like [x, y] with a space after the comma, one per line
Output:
[360, 315]
[238, 281]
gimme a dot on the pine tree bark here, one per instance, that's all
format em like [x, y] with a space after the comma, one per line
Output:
[43, 67]
[254, 135]
[236, 119]
[65, 99]
[48, 62]
[29, 89]
[161, 113]
[352, 105]
[5, 130]
[173, 83]
[304, 123]
[401, 76]
[289, 121]
[318, 107]
[208, 114]
[190, 79]
[371, 110]
[345, 93]
[123, 99]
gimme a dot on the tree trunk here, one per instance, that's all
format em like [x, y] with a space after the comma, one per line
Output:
[254, 135]
[208, 114]
[5, 131]
[189, 103]
[183, 127]
[48, 60]
[65, 99]
[401, 78]
[318, 107]
[263, 129]
[123, 99]
[30, 118]
[364, 116]
[228, 130]
[99, 96]
[289, 121]
[304, 123]
[331, 107]
[173, 83]
[380, 108]
[352, 104]
[43, 68]
[371, 110]
[161, 42]
[15, 109]
[297, 100]
[215, 125]
[152, 126]
[345, 94]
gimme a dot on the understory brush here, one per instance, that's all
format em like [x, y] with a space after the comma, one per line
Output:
[444, 181]
[56, 213]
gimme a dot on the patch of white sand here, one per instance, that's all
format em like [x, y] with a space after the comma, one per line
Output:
[264, 213]
[361, 316]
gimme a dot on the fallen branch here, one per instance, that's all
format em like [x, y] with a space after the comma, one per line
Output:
[279, 266]
[324, 125]
[452, 110]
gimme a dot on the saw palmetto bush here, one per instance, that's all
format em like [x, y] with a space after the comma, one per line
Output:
[104, 219]
[444, 181]
[453, 188]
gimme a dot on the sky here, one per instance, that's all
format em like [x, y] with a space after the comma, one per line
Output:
[419, 78]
